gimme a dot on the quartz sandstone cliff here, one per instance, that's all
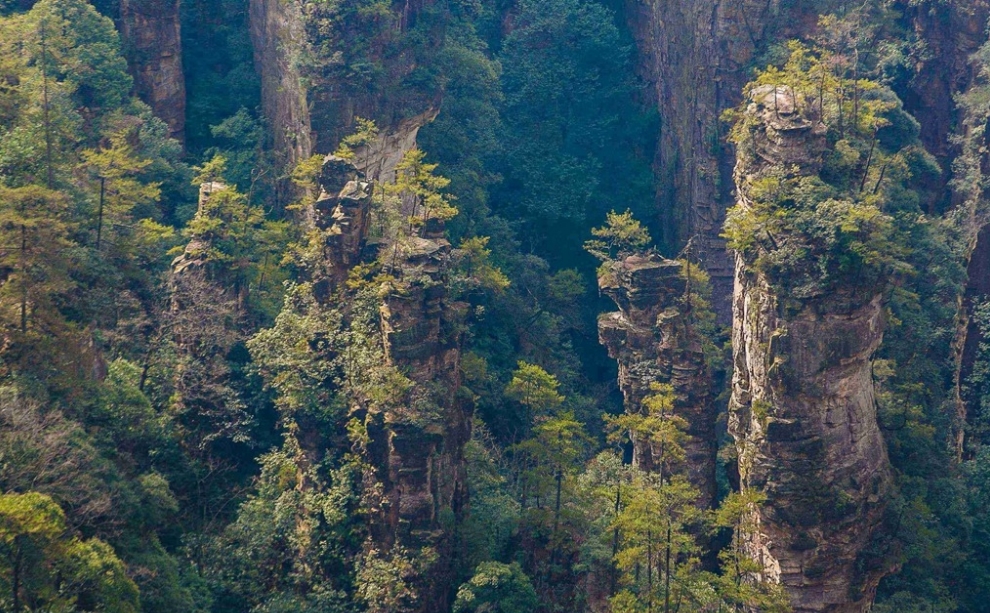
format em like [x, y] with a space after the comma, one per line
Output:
[653, 340]
[415, 447]
[312, 111]
[803, 412]
[696, 55]
[151, 33]
[279, 39]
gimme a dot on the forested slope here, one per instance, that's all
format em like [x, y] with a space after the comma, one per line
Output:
[494, 305]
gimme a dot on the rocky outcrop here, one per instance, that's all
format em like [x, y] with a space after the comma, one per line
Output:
[151, 33]
[803, 410]
[278, 35]
[421, 444]
[343, 211]
[378, 159]
[416, 440]
[653, 340]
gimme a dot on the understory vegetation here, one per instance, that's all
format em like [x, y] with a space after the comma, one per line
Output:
[196, 407]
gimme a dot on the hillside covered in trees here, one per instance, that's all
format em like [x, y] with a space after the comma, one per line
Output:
[494, 306]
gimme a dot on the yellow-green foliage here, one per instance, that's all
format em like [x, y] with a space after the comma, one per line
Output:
[50, 567]
[818, 234]
[621, 236]
[416, 178]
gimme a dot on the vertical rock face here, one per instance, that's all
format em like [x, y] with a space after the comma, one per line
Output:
[151, 32]
[970, 337]
[652, 339]
[693, 53]
[344, 209]
[952, 32]
[416, 447]
[278, 35]
[422, 465]
[312, 109]
[803, 412]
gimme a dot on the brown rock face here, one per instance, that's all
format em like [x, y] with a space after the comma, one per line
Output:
[421, 466]
[693, 53]
[151, 31]
[803, 412]
[968, 336]
[279, 37]
[312, 109]
[952, 33]
[416, 446]
[653, 341]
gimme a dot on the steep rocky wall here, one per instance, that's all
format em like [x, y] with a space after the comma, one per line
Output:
[951, 32]
[416, 447]
[423, 473]
[696, 55]
[278, 35]
[311, 94]
[977, 289]
[803, 410]
[151, 34]
[693, 54]
[653, 340]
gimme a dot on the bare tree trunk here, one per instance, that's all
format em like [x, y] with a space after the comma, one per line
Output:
[99, 217]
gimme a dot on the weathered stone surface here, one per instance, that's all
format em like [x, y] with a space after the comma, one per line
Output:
[343, 212]
[151, 33]
[803, 411]
[378, 159]
[693, 54]
[416, 447]
[789, 135]
[423, 473]
[278, 35]
[652, 338]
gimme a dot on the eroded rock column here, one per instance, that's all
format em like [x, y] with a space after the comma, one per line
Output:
[416, 438]
[803, 411]
[151, 32]
[654, 341]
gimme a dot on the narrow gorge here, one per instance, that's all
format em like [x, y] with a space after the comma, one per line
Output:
[478, 306]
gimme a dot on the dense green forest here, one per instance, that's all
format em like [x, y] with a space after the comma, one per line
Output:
[477, 306]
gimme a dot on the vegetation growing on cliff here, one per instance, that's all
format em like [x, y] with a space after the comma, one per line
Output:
[310, 391]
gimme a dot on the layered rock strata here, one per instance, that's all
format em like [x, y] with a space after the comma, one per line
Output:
[653, 340]
[422, 468]
[416, 446]
[151, 31]
[803, 410]
[278, 35]
[694, 54]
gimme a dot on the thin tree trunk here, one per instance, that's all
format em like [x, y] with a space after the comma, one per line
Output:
[16, 581]
[649, 571]
[99, 217]
[666, 591]
[45, 109]
[883, 171]
[869, 160]
[615, 538]
[24, 278]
